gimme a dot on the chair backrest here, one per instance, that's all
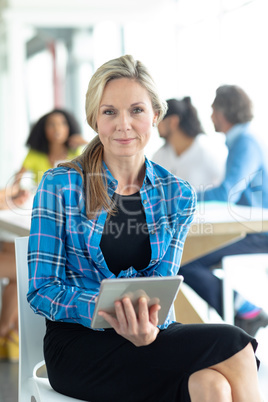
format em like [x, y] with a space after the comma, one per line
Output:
[248, 274]
[31, 326]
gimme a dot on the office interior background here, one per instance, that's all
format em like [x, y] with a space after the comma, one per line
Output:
[50, 48]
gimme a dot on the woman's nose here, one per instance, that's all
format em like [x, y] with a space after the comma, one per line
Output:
[123, 122]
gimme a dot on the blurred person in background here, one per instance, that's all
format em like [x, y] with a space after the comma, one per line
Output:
[54, 138]
[245, 183]
[189, 153]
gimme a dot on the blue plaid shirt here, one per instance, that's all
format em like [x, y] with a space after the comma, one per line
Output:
[66, 264]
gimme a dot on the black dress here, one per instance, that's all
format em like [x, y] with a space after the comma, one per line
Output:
[101, 366]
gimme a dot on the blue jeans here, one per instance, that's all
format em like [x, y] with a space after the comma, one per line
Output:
[198, 274]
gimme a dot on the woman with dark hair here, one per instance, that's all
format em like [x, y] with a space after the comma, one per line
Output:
[38, 138]
[188, 152]
[54, 138]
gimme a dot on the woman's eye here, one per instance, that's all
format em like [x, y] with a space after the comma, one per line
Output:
[137, 110]
[109, 112]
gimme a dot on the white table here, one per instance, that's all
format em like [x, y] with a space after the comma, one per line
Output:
[217, 224]
[17, 220]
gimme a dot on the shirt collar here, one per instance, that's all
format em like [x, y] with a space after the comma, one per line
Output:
[234, 132]
[111, 181]
[149, 173]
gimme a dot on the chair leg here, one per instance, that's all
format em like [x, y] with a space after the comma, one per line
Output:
[228, 299]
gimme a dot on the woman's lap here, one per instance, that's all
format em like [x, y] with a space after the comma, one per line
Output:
[103, 366]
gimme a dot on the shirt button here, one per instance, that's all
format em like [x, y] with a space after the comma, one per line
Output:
[153, 261]
[145, 202]
[152, 232]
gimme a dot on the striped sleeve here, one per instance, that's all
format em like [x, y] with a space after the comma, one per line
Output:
[50, 293]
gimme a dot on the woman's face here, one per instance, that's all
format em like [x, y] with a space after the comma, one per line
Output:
[57, 128]
[125, 119]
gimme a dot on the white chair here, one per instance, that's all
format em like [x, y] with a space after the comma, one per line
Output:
[31, 334]
[3, 283]
[248, 274]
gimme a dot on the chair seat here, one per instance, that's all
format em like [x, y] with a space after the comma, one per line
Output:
[45, 392]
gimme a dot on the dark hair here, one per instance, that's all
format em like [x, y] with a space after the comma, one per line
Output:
[189, 120]
[234, 103]
[37, 139]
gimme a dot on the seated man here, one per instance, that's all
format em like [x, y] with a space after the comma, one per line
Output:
[245, 183]
[187, 147]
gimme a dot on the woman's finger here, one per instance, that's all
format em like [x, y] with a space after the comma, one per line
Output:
[153, 314]
[143, 313]
[110, 319]
[120, 314]
[130, 314]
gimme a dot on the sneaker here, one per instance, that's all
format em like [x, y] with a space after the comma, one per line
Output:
[12, 344]
[252, 325]
[3, 349]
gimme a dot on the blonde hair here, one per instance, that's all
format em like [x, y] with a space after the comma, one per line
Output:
[94, 176]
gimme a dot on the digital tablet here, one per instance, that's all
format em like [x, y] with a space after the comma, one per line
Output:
[162, 290]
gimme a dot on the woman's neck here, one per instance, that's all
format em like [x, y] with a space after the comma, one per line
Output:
[129, 172]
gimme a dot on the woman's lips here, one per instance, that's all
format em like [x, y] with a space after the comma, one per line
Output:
[124, 141]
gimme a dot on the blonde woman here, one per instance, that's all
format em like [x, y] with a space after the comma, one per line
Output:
[73, 248]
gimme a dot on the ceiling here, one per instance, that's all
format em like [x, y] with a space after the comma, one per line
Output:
[82, 12]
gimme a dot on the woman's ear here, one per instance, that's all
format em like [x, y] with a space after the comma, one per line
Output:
[155, 119]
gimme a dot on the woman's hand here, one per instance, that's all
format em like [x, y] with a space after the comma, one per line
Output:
[140, 329]
[14, 201]
[21, 197]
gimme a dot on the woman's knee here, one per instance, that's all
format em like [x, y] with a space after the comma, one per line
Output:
[209, 385]
[241, 362]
